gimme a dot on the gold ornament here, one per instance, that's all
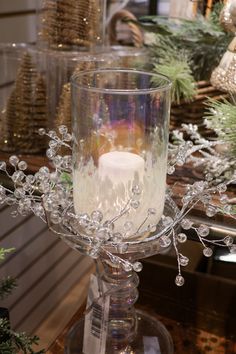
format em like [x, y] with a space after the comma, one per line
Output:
[228, 16]
[224, 75]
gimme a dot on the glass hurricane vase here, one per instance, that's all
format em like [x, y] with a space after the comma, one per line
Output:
[120, 134]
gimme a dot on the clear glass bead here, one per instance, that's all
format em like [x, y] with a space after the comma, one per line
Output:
[30, 179]
[152, 211]
[167, 221]
[128, 225]
[211, 211]
[179, 280]
[184, 261]
[222, 188]
[97, 215]
[19, 193]
[17, 176]
[22, 165]
[228, 240]
[137, 266]
[186, 224]
[117, 237]
[63, 129]
[3, 165]
[38, 210]
[164, 241]
[207, 252]
[55, 218]
[203, 230]
[42, 131]
[14, 160]
[233, 249]
[181, 237]
[127, 266]
[170, 170]
[135, 204]
[136, 189]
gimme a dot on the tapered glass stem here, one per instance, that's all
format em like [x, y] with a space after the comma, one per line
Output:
[122, 317]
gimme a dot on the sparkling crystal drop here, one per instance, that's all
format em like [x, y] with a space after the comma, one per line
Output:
[42, 131]
[207, 252]
[179, 280]
[127, 266]
[136, 190]
[186, 224]
[62, 129]
[211, 211]
[13, 160]
[228, 240]
[2, 165]
[203, 230]
[22, 165]
[137, 266]
[135, 204]
[183, 261]
[128, 225]
[181, 237]
[97, 215]
[152, 211]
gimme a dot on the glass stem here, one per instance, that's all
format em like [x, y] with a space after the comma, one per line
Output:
[122, 317]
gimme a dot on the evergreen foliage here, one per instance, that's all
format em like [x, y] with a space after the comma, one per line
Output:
[221, 116]
[10, 341]
[179, 72]
[203, 40]
[15, 343]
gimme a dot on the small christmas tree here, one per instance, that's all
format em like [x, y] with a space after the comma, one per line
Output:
[8, 125]
[25, 110]
[71, 22]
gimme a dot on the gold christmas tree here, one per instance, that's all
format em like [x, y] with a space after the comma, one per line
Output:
[71, 22]
[8, 125]
[25, 110]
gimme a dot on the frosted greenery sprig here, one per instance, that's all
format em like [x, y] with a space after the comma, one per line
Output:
[179, 72]
[221, 116]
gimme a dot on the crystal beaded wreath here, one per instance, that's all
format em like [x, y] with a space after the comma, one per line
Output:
[49, 195]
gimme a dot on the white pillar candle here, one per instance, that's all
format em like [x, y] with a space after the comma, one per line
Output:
[120, 167]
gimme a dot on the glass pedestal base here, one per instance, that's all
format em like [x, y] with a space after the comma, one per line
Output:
[151, 338]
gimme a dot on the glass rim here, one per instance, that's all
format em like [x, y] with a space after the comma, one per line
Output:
[161, 88]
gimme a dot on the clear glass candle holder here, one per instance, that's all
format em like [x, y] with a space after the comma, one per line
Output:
[120, 126]
[120, 138]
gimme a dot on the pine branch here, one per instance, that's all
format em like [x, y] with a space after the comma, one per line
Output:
[179, 72]
[221, 116]
[6, 286]
[204, 41]
[12, 342]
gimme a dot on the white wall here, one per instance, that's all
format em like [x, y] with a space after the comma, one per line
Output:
[15, 25]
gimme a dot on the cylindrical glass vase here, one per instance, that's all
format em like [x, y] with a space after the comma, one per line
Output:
[67, 24]
[120, 125]
[23, 98]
